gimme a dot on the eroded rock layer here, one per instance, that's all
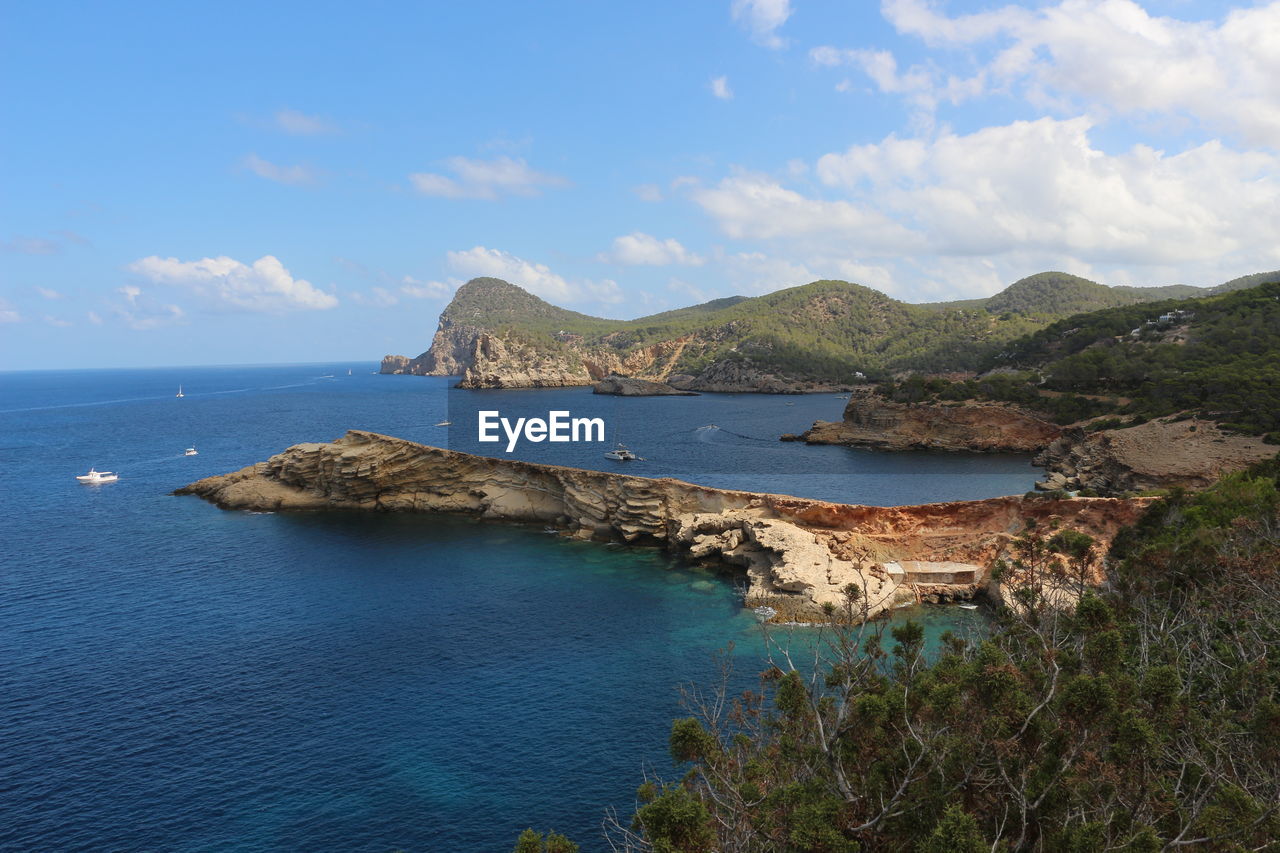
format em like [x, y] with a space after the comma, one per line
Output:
[798, 553]
[1164, 453]
[871, 421]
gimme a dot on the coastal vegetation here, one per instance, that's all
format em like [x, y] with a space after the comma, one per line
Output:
[1140, 715]
[1217, 357]
[830, 331]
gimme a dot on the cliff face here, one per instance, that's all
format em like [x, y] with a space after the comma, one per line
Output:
[797, 553]
[498, 363]
[450, 353]
[871, 421]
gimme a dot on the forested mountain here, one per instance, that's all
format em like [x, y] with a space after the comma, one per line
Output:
[825, 331]
[1054, 294]
[1246, 281]
[1217, 356]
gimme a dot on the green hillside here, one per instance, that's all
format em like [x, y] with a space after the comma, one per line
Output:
[1244, 282]
[826, 330]
[831, 330]
[1217, 356]
[1060, 293]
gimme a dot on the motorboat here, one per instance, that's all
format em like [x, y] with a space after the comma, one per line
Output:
[445, 423]
[94, 477]
[620, 454]
[191, 451]
[179, 394]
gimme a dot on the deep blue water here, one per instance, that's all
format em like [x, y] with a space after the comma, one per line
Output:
[175, 677]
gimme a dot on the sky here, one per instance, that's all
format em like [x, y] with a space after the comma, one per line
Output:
[216, 183]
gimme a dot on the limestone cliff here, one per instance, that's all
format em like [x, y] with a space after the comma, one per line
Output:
[498, 363]
[871, 421]
[797, 553]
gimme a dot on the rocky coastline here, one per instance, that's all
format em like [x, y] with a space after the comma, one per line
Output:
[627, 386]
[797, 554]
[873, 422]
[1160, 454]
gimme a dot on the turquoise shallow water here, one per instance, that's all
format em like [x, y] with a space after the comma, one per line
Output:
[176, 677]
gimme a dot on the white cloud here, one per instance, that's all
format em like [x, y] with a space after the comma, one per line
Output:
[720, 88]
[227, 284]
[8, 314]
[1108, 56]
[754, 273]
[640, 249]
[533, 277]
[95, 318]
[1042, 186]
[56, 321]
[48, 293]
[754, 206]
[293, 175]
[648, 192]
[140, 312]
[1022, 197]
[485, 179]
[762, 18]
[301, 124]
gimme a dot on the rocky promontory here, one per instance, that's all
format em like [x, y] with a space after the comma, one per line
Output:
[874, 422]
[627, 386]
[797, 554]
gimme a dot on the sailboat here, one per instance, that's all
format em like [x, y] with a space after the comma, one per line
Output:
[348, 371]
[620, 452]
[179, 394]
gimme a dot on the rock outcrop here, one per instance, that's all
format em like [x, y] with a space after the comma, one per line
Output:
[499, 363]
[627, 386]
[871, 421]
[742, 376]
[798, 554]
[1158, 454]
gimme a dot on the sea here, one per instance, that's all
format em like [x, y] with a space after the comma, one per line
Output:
[174, 677]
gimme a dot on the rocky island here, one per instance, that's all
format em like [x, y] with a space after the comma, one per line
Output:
[797, 553]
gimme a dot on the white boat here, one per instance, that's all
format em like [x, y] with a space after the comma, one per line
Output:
[97, 477]
[348, 371]
[445, 423]
[179, 394]
[620, 453]
[191, 451]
